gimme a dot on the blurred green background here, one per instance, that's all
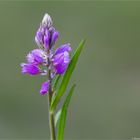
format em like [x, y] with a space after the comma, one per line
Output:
[106, 102]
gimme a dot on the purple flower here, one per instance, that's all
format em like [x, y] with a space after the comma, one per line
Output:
[44, 88]
[36, 56]
[61, 58]
[63, 48]
[30, 69]
[60, 62]
[45, 59]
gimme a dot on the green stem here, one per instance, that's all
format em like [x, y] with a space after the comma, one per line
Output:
[51, 113]
[51, 122]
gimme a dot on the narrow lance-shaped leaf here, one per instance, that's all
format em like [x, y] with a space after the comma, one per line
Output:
[56, 81]
[67, 76]
[57, 117]
[63, 115]
[55, 84]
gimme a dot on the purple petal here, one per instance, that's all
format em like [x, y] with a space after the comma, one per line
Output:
[36, 56]
[30, 58]
[46, 42]
[63, 48]
[55, 36]
[60, 69]
[30, 69]
[44, 88]
[60, 62]
[47, 39]
[39, 38]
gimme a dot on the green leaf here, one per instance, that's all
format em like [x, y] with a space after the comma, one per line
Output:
[55, 84]
[56, 81]
[67, 76]
[63, 115]
[57, 117]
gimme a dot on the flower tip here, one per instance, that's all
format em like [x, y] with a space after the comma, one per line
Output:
[47, 21]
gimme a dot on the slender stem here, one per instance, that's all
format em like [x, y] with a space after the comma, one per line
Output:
[52, 128]
[51, 113]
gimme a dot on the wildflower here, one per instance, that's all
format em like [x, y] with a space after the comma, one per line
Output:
[45, 58]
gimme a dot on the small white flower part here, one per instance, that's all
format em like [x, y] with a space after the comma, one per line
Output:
[47, 21]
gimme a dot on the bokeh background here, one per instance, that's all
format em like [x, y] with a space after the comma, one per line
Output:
[106, 102]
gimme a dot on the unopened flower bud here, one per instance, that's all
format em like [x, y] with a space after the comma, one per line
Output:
[39, 38]
[47, 39]
[55, 36]
[47, 21]
[44, 88]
